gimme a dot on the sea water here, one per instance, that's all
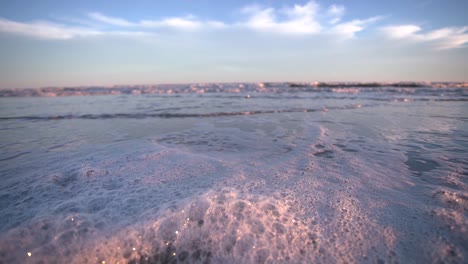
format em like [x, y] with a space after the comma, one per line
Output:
[238, 173]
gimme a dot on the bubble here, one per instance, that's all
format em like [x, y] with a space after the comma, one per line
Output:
[262, 255]
[228, 242]
[257, 227]
[201, 222]
[245, 244]
[167, 229]
[198, 209]
[196, 255]
[279, 228]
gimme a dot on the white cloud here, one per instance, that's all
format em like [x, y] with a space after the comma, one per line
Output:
[182, 23]
[185, 23]
[300, 19]
[45, 30]
[404, 31]
[349, 29]
[303, 19]
[443, 38]
[173, 22]
[216, 24]
[336, 12]
[296, 19]
[110, 20]
[48, 30]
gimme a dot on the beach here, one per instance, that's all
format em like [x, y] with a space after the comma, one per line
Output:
[235, 173]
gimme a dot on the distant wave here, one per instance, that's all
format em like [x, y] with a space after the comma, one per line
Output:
[151, 115]
[243, 88]
[175, 115]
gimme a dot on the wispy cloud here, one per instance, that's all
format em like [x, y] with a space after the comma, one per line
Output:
[349, 29]
[182, 23]
[299, 19]
[189, 22]
[45, 30]
[54, 31]
[110, 20]
[294, 20]
[173, 22]
[121, 27]
[336, 12]
[443, 38]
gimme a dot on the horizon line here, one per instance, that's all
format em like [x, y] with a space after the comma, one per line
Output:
[232, 82]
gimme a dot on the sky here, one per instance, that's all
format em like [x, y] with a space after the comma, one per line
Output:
[94, 42]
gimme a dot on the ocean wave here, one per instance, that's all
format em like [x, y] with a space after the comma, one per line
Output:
[175, 115]
[239, 88]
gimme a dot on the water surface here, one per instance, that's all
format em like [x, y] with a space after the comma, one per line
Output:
[261, 175]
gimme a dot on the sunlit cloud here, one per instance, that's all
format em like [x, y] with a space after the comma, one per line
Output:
[443, 38]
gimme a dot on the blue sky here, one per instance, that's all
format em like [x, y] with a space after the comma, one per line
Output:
[73, 43]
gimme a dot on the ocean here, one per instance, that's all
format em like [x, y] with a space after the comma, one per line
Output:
[235, 173]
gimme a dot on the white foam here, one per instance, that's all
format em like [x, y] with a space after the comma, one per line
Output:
[288, 188]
